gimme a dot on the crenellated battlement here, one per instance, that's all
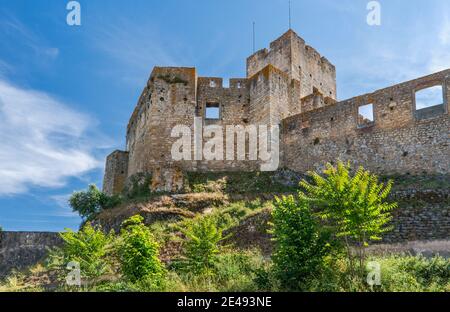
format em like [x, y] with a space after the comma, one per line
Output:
[217, 83]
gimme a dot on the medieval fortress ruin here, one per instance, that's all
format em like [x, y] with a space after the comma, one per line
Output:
[290, 85]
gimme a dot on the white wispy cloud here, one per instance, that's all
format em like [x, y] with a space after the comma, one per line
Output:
[13, 30]
[43, 141]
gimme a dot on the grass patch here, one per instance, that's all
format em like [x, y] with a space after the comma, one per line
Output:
[239, 183]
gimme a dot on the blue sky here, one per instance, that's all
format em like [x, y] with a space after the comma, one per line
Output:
[66, 92]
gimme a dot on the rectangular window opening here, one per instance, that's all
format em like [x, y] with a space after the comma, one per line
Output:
[212, 111]
[429, 97]
[429, 102]
[365, 116]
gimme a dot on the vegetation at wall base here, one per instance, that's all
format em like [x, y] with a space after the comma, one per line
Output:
[320, 231]
[354, 205]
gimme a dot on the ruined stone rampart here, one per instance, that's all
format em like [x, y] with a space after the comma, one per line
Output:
[400, 139]
[19, 250]
[116, 172]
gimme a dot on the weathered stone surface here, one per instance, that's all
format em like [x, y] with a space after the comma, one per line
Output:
[18, 250]
[422, 215]
[301, 62]
[116, 172]
[396, 142]
[169, 180]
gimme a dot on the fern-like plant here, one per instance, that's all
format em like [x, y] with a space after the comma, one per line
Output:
[89, 247]
[202, 246]
[355, 204]
[301, 245]
[139, 252]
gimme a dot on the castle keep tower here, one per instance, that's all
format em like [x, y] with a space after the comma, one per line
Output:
[290, 54]
[296, 79]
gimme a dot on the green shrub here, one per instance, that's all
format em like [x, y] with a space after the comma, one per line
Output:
[236, 183]
[89, 247]
[232, 214]
[138, 252]
[88, 203]
[355, 205]
[202, 245]
[301, 246]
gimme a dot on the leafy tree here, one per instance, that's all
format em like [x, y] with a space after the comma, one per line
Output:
[89, 247]
[202, 246]
[88, 203]
[354, 204]
[301, 246]
[138, 252]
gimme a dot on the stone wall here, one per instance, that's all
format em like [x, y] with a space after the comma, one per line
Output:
[116, 172]
[271, 96]
[169, 99]
[19, 250]
[174, 96]
[429, 222]
[400, 140]
[235, 109]
[422, 215]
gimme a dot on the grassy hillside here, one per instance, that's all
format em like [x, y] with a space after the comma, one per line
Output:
[241, 205]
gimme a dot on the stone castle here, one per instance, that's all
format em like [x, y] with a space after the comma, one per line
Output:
[293, 86]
